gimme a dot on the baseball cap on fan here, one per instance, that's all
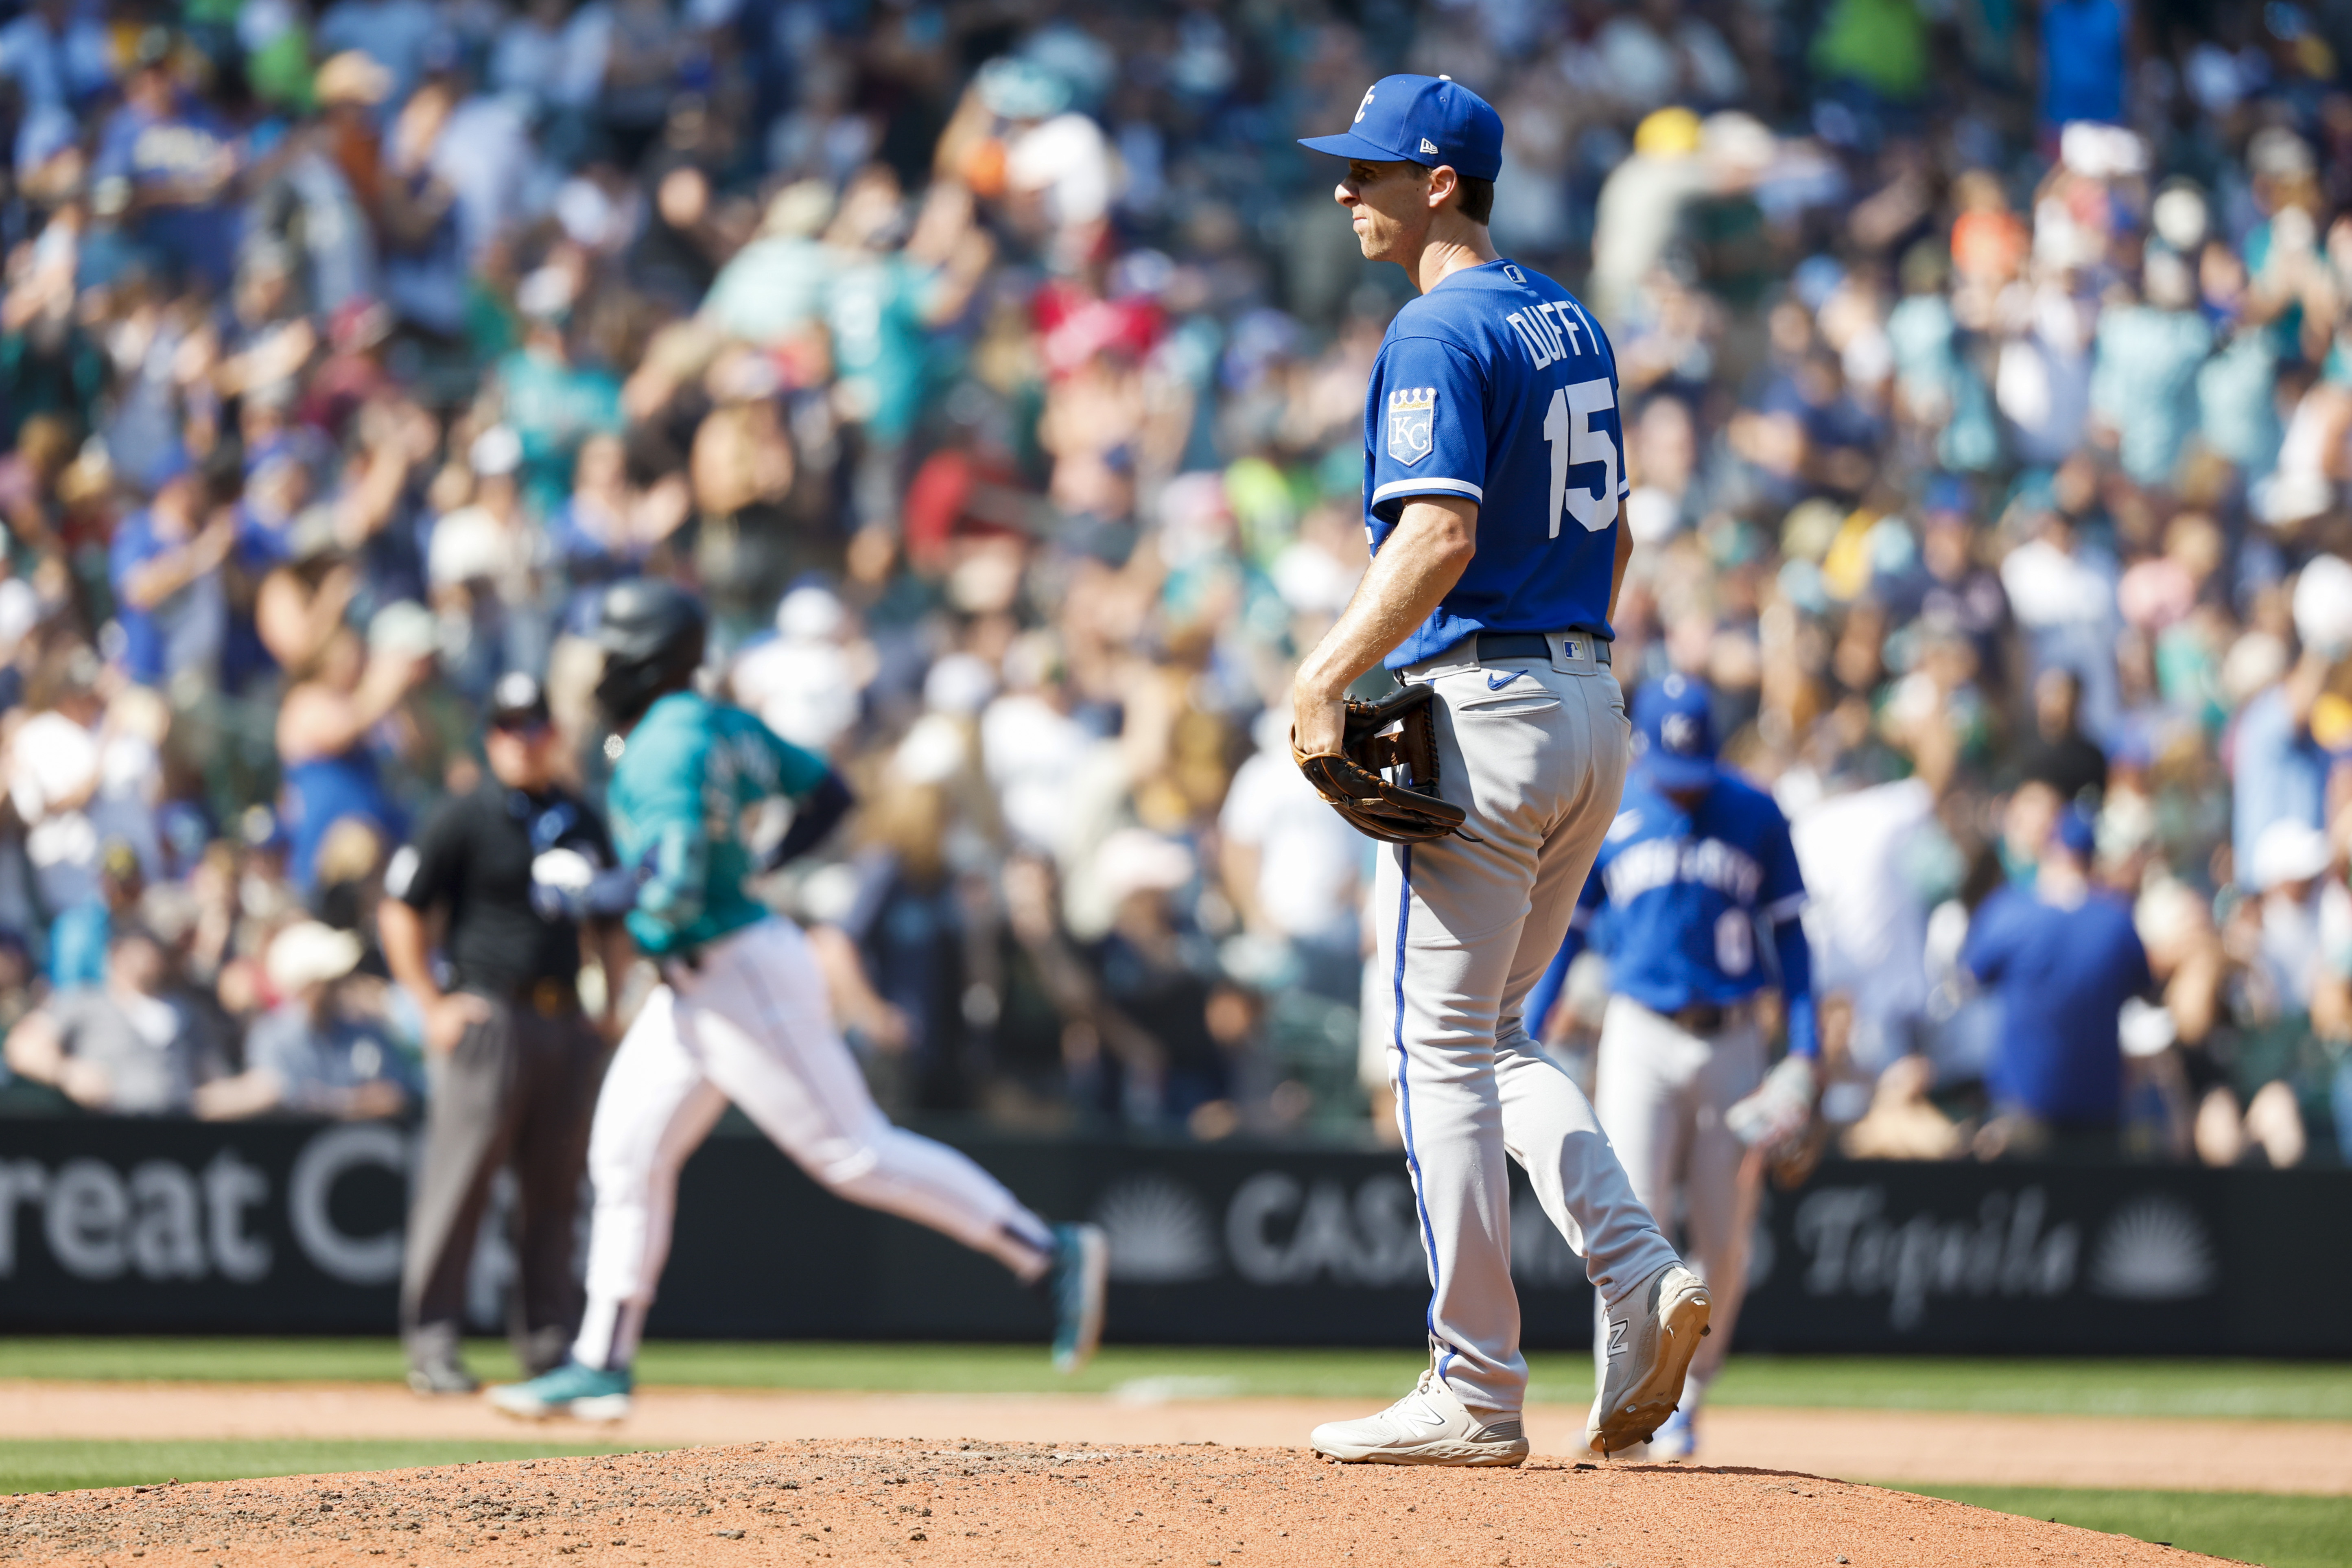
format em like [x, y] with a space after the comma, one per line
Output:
[1673, 734]
[518, 702]
[1424, 120]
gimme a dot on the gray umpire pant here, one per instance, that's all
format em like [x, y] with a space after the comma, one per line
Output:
[1535, 751]
[1662, 1091]
[517, 1089]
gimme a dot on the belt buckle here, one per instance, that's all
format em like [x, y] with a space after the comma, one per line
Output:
[546, 997]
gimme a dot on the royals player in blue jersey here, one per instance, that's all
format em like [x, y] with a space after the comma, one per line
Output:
[1696, 863]
[1492, 480]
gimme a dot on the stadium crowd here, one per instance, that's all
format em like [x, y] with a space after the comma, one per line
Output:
[995, 368]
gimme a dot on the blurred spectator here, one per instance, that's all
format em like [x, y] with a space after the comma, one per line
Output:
[1291, 867]
[324, 729]
[127, 1047]
[2280, 770]
[1158, 976]
[2058, 754]
[178, 159]
[54, 776]
[1986, 438]
[79, 937]
[2082, 62]
[2064, 959]
[326, 1048]
[167, 565]
[1869, 860]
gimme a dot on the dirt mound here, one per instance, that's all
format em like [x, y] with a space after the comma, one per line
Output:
[875, 1502]
[1903, 1446]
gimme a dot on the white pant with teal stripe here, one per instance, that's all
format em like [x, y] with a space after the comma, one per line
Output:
[1536, 752]
[748, 1022]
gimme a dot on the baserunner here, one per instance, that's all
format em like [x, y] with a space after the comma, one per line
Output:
[741, 1016]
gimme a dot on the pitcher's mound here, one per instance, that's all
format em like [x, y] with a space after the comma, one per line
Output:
[876, 1503]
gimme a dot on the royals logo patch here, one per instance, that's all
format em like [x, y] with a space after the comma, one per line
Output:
[1412, 411]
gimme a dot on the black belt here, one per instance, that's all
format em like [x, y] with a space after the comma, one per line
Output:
[1711, 1017]
[1533, 645]
[547, 996]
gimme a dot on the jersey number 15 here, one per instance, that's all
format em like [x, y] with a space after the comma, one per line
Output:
[1573, 438]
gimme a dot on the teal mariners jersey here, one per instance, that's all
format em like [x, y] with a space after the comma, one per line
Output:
[687, 788]
[1495, 386]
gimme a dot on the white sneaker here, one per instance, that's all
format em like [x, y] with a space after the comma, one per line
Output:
[1652, 1334]
[1427, 1427]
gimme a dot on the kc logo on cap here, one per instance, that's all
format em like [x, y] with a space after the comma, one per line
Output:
[1426, 120]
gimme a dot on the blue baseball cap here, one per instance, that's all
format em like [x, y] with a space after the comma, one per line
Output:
[1424, 120]
[2076, 832]
[1673, 734]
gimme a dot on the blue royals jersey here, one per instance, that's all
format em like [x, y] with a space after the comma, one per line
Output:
[1498, 386]
[1684, 892]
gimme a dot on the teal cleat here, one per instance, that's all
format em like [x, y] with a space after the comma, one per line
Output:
[582, 1393]
[1079, 1281]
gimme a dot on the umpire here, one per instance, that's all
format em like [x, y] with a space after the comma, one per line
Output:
[518, 866]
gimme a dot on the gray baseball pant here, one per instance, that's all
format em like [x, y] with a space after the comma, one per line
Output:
[516, 1089]
[1662, 1091]
[1466, 930]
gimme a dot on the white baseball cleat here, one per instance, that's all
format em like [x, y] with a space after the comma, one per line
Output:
[1427, 1427]
[1652, 1334]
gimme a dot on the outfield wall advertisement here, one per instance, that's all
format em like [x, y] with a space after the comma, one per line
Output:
[291, 1227]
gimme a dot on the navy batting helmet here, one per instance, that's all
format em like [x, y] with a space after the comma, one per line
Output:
[652, 633]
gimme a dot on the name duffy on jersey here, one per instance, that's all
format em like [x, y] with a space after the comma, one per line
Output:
[1548, 330]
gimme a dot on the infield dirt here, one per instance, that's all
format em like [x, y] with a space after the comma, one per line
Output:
[1926, 1447]
[848, 1502]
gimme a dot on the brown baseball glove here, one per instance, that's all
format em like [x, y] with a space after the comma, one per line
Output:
[1410, 812]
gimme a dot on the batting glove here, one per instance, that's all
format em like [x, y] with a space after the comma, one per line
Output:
[1778, 1108]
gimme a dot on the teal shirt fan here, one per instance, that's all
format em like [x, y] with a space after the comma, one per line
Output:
[681, 798]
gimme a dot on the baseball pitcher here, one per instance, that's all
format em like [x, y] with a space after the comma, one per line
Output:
[1697, 862]
[741, 1016]
[1492, 479]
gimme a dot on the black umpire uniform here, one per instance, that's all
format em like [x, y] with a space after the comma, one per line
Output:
[509, 868]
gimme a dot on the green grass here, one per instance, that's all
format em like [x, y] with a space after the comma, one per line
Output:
[49, 1465]
[2314, 1391]
[2277, 1532]
[2305, 1391]
[816, 1366]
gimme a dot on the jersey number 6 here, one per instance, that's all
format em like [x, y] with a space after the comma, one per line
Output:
[1569, 431]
